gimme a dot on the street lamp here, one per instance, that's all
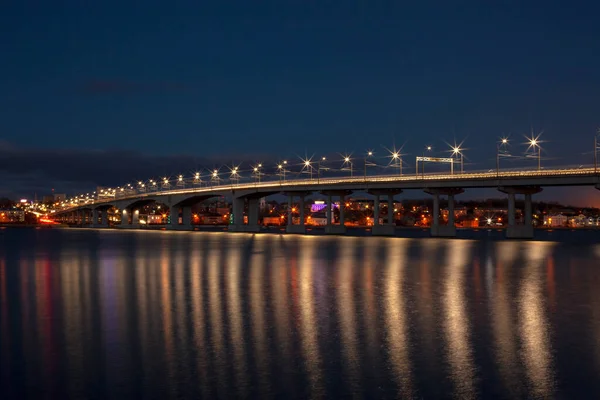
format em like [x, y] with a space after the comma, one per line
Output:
[456, 150]
[534, 143]
[308, 167]
[503, 143]
[348, 161]
[281, 171]
[429, 149]
[397, 159]
[367, 155]
[322, 160]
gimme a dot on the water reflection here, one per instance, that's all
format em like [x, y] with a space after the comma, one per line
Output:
[171, 315]
[457, 324]
[533, 322]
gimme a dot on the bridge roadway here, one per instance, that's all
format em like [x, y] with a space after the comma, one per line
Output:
[181, 200]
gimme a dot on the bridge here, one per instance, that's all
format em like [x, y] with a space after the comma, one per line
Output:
[245, 195]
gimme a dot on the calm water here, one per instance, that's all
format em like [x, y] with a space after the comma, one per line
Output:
[108, 314]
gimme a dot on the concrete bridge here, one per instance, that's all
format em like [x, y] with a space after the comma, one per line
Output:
[181, 199]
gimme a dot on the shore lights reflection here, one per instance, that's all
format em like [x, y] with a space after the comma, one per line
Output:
[533, 322]
[396, 316]
[126, 314]
[457, 324]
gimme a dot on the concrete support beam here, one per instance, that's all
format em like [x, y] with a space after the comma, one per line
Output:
[448, 230]
[125, 217]
[174, 216]
[376, 210]
[135, 218]
[388, 228]
[331, 228]
[104, 218]
[95, 217]
[253, 211]
[513, 230]
[186, 218]
[290, 220]
[329, 209]
[390, 220]
[300, 228]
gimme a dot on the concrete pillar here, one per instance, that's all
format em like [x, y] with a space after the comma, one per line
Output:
[443, 230]
[342, 205]
[528, 210]
[451, 210]
[186, 217]
[104, 222]
[376, 210]
[524, 231]
[174, 215]
[329, 210]
[135, 218]
[300, 228]
[301, 210]
[511, 209]
[435, 221]
[124, 217]
[290, 221]
[253, 211]
[94, 217]
[391, 210]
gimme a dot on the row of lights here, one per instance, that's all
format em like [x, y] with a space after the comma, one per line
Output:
[395, 157]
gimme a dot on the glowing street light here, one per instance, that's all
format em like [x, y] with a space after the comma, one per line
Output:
[501, 149]
[319, 162]
[429, 149]
[456, 151]
[534, 144]
[367, 155]
[256, 171]
[348, 161]
[307, 166]
[396, 159]
[281, 170]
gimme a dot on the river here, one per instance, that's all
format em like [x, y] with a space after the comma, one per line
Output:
[165, 315]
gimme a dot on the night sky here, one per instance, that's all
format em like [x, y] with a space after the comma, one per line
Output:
[119, 91]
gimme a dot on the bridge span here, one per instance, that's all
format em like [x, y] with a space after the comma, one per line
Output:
[246, 195]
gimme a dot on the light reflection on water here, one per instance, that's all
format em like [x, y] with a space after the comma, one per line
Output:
[169, 315]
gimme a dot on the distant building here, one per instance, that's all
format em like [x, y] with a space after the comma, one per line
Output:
[12, 216]
[555, 220]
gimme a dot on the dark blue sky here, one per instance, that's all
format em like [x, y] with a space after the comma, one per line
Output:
[284, 77]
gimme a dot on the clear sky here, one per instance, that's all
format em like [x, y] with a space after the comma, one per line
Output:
[122, 82]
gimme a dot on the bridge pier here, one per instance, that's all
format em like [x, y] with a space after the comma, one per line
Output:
[104, 218]
[524, 231]
[95, 217]
[331, 228]
[448, 230]
[388, 228]
[186, 218]
[301, 227]
[238, 215]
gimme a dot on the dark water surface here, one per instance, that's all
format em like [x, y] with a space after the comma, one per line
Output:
[109, 314]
